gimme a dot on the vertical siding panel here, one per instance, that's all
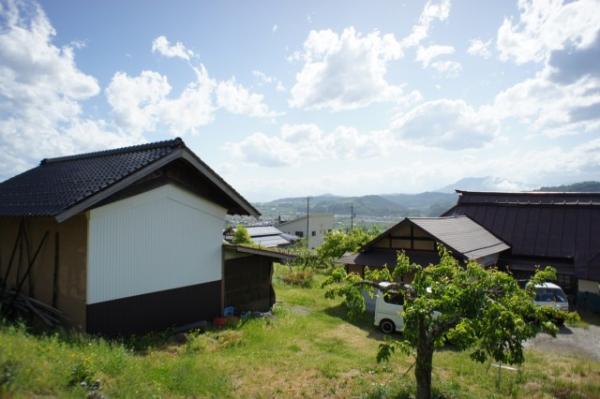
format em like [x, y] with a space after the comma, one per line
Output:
[161, 239]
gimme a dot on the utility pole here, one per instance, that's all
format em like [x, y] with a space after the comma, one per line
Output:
[351, 217]
[307, 220]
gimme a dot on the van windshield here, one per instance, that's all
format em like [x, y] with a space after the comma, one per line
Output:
[549, 295]
[394, 298]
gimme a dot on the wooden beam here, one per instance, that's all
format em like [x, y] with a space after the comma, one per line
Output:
[56, 270]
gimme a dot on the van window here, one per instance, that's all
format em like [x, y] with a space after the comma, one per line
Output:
[395, 298]
[549, 295]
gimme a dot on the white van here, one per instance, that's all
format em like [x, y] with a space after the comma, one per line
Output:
[388, 310]
[549, 294]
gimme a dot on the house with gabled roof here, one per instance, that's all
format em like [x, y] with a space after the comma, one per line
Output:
[418, 237]
[128, 240]
[544, 228]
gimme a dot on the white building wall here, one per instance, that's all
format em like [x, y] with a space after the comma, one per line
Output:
[592, 287]
[158, 240]
[320, 224]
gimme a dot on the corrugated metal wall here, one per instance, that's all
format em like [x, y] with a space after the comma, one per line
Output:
[161, 239]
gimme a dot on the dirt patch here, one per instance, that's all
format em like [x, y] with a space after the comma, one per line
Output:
[300, 310]
[572, 341]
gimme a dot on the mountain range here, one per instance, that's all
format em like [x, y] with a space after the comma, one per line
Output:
[429, 203]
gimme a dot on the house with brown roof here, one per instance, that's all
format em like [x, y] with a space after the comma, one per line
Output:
[544, 228]
[128, 240]
[418, 238]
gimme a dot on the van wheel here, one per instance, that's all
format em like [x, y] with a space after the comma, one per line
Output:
[387, 326]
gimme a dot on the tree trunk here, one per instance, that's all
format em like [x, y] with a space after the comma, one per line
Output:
[424, 363]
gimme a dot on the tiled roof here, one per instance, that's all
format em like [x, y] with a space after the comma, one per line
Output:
[463, 235]
[541, 225]
[459, 233]
[58, 184]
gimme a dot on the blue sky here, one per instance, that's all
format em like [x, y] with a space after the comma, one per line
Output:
[304, 98]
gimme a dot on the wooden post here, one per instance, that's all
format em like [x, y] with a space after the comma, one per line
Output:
[56, 271]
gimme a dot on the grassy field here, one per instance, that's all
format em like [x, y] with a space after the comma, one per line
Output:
[307, 349]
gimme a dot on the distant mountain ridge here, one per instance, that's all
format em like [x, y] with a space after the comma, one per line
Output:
[384, 205]
[581, 187]
[429, 203]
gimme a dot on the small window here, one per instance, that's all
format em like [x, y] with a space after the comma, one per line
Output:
[314, 233]
[299, 234]
[395, 298]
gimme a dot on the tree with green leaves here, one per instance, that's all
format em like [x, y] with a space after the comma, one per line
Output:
[241, 235]
[338, 242]
[468, 306]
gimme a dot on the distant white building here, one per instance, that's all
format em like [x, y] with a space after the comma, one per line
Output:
[315, 230]
[267, 236]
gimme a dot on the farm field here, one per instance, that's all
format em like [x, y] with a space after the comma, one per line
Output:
[307, 349]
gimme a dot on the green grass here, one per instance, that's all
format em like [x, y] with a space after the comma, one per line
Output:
[308, 349]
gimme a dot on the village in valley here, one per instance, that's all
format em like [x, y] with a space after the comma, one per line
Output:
[452, 251]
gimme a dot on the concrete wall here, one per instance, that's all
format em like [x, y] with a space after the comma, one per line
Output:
[319, 224]
[71, 262]
[159, 240]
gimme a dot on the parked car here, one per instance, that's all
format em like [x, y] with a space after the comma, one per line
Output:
[388, 310]
[550, 294]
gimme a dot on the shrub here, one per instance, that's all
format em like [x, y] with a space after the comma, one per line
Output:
[241, 235]
[301, 277]
[230, 338]
[8, 374]
[83, 376]
[199, 343]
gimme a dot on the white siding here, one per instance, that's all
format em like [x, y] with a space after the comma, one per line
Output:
[319, 223]
[161, 239]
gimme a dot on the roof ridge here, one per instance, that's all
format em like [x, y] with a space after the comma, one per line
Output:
[530, 193]
[176, 142]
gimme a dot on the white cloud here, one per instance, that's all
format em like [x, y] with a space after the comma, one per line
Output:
[426, 54]
[480, 48]
[450, 69]
[433, 10]
[263, 78]
[162, 46]
[551, 108]
[41, 94]
[348, 70]
[547, 25]
[307, 142]
[142, 103]
[448, 124]
[345, 71]
[236, 99]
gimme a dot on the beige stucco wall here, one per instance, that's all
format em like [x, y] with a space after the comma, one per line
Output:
[589, 286]
[72, 261]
